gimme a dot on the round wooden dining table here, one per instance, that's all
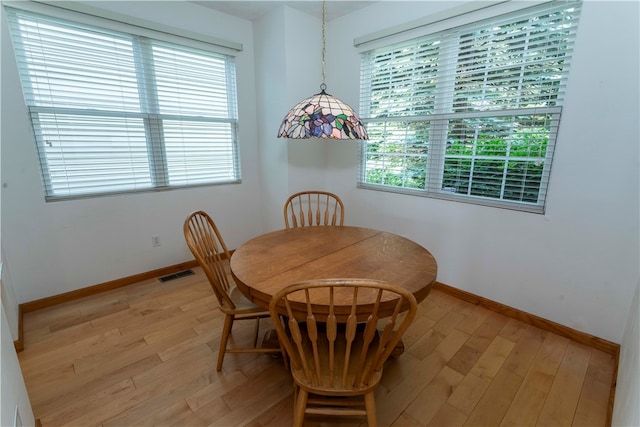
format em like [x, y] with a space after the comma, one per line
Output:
[267, 263]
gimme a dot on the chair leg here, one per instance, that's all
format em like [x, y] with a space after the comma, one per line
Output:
[285, 356]
[255, 333]
[300, 406]
[226, 331]
[370, 406]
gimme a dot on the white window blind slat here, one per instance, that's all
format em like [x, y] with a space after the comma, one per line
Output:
[471, 113]
[116, 112]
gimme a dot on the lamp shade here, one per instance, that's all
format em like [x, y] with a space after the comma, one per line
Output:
[322, 116]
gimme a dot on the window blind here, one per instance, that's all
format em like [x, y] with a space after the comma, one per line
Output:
[470, 113]
[117, 112]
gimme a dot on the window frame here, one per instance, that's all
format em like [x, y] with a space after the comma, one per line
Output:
[443, 111]
[143, 41]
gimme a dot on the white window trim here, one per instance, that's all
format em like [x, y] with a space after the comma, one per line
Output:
[216, 46]
[90, 15]
[467, 13]
[445, 21]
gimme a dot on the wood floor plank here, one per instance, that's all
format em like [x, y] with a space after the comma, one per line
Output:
[464, 359]
[97, 303]
[563, 396]
[473, 386]
[448, 416]
[145, 354]
[496, 400]
[468, 393]
[159, 385]
[175, 369]
[427, 404]
[74, 410]
[418, 374]
[74, 393]
[272, 374]
[42, 386]
[416, 330]
[530, 398]
[121, 354]
[524, 352]
[255, 401]
[551, 353]
[37, 343]
[165, 416]
[405, 420]
[169, 351]
[73, 351]
[280, 414]
[88, 315]
[592, 407]
[204, 415]
[475, 317]
[430, 340]
[493, 358]
[484, 335]
[181, 326]
[223, 385]
[44, 317]
[513, 330]
[156, 399]
[437, 307]
[528, 401]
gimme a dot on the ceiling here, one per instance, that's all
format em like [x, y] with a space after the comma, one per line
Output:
[252, 10]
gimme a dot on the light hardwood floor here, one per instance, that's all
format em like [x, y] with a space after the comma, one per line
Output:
[145, 354]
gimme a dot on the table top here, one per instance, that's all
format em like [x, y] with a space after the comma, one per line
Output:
[267, 263]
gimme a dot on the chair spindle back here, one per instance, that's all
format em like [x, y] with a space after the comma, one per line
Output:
[208, 247]
[340, 356]
[313, 208]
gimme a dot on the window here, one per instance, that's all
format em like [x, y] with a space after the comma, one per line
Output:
[471, 113]
[114, 112]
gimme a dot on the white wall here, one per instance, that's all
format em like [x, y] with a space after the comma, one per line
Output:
[58, 247]
[306, 158]
[575, 265]
[626, 411]
[12, 389]
[8, 298]
[578, 263]
[288, 60]
[15, 407]
[270, 31]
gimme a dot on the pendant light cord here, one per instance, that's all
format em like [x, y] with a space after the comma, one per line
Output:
[323, 86]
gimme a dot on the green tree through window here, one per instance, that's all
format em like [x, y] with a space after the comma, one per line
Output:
[470, 114]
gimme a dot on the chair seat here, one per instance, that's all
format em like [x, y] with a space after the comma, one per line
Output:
[242, 303]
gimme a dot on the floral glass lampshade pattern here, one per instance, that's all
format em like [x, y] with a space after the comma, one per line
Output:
[322, 116]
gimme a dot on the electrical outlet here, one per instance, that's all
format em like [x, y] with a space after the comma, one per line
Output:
[155, 241]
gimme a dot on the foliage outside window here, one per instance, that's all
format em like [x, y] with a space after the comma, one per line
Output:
[115, 112]
[469, 114]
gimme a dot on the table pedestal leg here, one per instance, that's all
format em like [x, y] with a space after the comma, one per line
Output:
[398, 350]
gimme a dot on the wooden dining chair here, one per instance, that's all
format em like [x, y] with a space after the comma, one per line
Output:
[208, 247]
[310, 208]
[336, 367]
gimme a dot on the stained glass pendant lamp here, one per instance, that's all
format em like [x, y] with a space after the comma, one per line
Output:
[322, 115]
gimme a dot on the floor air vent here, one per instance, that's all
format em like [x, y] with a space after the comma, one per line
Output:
[176, 275]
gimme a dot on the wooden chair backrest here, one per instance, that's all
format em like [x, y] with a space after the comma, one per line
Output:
[312, 208]
[208, 247]
[343, 357]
